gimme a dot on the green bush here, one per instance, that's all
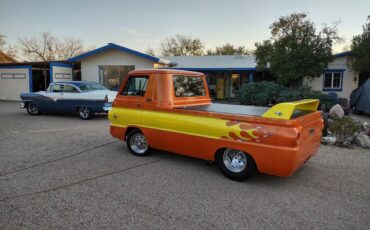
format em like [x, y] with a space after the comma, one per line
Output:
[344, 128]
[258, 93]
[265, 93]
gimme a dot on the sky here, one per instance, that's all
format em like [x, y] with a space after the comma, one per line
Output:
[141, 24]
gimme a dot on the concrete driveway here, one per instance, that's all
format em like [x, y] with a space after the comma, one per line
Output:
[65, 173]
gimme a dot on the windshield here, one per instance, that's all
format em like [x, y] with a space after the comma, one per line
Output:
[91, 87]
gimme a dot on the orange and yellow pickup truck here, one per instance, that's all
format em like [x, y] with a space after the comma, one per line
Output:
[172, 110]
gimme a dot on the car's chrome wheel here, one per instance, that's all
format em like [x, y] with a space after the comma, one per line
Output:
[235, 164]
[234, 160]
[138, 143]
[85, 113]
[33, 109]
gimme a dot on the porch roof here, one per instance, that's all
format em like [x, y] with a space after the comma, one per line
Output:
[213, 63]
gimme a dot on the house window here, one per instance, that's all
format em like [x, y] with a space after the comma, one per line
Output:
[13, 76]
[211, 78]
[113, 75]
[333, 81]
[62, 76]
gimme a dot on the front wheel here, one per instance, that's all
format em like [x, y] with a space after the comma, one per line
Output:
[235, 164]
[137, 144]
[33, 109]
[85, 113]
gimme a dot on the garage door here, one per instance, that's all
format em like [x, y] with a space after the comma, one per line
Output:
[60, 72]
[15, 80]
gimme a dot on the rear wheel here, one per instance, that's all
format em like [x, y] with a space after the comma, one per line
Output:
[85, 113]
[137, 143]
[235, 164]
[33, 109]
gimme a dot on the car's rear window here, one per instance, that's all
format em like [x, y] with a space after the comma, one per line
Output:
[91, 87]
[188, 86]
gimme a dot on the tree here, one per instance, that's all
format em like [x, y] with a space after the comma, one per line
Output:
[6, 48]
[296, 49]
[70, 47]
[228, 49]
[46, 47]
[361, 50]
[182, 45]
[150, 51]
[2, 40]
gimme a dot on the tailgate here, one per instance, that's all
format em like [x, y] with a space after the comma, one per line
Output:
[310, 127]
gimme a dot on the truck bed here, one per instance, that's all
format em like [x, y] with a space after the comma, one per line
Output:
[228, 109]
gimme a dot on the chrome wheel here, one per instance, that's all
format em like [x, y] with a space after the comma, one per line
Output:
[33, 109]
[138, 143]
[84, 112]
[234, 160]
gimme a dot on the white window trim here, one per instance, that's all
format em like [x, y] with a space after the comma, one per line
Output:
[332, 80]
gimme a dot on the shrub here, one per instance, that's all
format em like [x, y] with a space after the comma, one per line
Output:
[258, 93]
[289, 95]
[265, 93]
[344, 128]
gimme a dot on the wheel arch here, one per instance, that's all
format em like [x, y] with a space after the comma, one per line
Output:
[77, 107]
[130, 129]
[27, 102]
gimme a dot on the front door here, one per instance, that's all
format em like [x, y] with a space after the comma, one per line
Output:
[53, 94]
[132, 97]
[234, 84]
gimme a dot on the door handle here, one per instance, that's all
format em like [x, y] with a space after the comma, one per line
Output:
[137, 104]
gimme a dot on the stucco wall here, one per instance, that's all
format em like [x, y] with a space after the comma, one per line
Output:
[10, 89]
[348, 84]
[90, 65]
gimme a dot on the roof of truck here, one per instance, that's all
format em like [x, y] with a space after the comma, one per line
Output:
[213, 63]
[164, 71]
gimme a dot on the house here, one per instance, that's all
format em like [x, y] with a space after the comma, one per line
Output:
[110, 64]
[225, 74]
[4, 58]
[338, 77]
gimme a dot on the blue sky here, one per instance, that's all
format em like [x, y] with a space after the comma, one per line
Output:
[142, 24]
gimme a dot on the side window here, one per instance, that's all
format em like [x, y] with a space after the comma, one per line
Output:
[85, 88]
[135, 86]
[57, 88]
[69, 89]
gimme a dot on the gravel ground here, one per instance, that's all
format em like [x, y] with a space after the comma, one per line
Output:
[59, 172]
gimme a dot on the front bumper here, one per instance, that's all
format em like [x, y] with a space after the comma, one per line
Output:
[22, 105]
[107, 107]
